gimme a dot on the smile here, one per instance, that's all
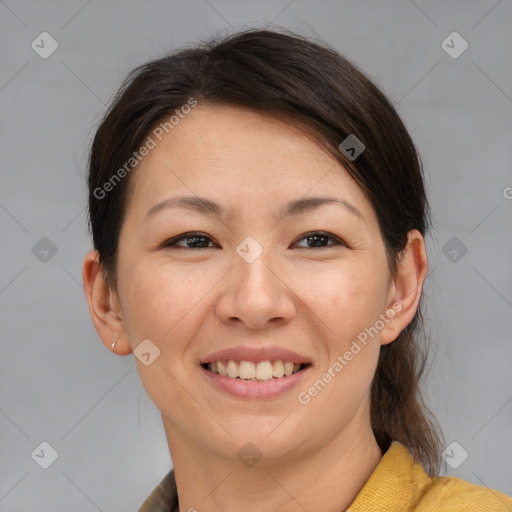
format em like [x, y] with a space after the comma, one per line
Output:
[254, 379]
[258, 371]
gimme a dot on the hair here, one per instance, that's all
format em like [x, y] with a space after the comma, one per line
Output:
[312, 86]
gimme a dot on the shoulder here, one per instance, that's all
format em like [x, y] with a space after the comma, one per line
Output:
[164, 497]
[400, 484]
[451, 494]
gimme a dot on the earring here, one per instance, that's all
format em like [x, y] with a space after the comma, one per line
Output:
[113, 345]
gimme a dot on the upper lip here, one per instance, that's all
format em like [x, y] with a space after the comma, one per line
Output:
[252, 353]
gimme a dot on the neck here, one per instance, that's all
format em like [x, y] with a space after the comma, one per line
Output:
[327, 478]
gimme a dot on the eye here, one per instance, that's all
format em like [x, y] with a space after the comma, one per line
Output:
[317, 238]
[191, 241]
[197, 240]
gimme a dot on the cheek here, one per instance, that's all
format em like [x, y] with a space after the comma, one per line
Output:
[347, 298]
[348, 306]
[162, 302]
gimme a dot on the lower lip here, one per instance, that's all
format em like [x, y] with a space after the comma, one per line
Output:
[248, 389]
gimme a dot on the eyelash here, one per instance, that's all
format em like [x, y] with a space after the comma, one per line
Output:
[172, 241]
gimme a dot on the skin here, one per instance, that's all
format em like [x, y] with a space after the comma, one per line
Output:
[191, 301]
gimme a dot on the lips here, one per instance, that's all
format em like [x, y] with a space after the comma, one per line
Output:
[256, 354]
[249, 389]
[255, 372]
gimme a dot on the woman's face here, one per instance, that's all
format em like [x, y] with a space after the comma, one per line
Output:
[254, 283]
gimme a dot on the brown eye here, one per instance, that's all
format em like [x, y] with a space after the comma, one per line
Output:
[320, 239]
[190, 241]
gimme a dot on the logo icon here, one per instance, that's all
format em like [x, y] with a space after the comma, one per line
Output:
[454, 45]
[44, 250]
[454, 249]
[249, 455]
[146, 352]
[454, 455]
[249, 249]
[44, 45]
[44, 455]
[352, 147]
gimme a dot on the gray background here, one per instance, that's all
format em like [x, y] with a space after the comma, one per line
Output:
[58, 382]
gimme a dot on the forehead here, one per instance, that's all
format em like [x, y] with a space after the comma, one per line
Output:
[240, 156]
[226, 134]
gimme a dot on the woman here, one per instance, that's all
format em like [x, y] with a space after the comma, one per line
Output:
[258, 216]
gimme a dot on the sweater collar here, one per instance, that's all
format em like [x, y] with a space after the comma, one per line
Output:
[394, 484]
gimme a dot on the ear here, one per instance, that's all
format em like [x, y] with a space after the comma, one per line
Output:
[406, 287]
[104, 306]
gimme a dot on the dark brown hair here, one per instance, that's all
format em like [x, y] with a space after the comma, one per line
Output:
[312, 86]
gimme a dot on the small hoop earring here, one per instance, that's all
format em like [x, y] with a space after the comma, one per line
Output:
[113, 345]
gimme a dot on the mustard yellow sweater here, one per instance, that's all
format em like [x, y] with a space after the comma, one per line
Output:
[398, 484]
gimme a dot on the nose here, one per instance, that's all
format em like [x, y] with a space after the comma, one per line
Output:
[255, 295]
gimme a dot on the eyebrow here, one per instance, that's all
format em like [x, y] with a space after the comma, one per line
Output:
[207, 207]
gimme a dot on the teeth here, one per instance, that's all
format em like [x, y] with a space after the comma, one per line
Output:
[264, 370]
[221, 369]
[248, 370]
[232, 369]
[278, 369]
